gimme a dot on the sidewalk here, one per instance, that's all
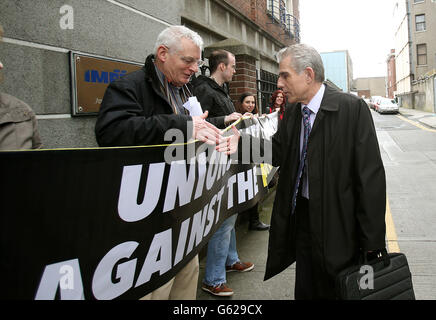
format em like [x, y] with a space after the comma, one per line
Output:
[252, 246]
[425, 118]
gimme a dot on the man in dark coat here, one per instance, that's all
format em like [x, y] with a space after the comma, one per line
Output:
[140, 107]
[212, 91]
[222, 255]
[331, 196]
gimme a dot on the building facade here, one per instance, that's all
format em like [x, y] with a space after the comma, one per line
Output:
[423, 20]
[391, 82]
[416, 53]
[254, 31]
[370, 87]
[42, 37]
[338, 69]
[402, 48]
[39, 37]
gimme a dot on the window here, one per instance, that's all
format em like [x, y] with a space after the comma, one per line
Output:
[281, 13]
[277, 9]
[421, 50]
[266, 85]
[420, 22]
[418, 1]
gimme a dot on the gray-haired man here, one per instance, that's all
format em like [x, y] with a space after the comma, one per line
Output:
[140, 107]
[331, 194]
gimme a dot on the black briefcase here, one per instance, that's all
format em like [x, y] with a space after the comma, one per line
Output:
[385, 278]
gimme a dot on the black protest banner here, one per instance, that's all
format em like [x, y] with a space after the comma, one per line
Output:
[109, 223]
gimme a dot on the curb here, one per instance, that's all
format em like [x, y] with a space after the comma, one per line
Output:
[425, 118]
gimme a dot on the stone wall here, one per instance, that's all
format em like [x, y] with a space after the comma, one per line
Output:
[422, 97]
[36, 47]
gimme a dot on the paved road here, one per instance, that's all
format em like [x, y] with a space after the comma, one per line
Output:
[409, 156]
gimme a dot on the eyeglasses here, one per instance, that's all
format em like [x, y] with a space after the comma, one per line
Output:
[191, 60]
[188, 60]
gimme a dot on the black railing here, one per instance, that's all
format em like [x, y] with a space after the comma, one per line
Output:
[287, 22]
[266, 85]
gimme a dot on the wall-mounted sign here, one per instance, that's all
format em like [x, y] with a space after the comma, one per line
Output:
[90, 77]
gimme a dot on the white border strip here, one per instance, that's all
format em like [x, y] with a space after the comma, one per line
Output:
[52, 116]
[35, 45]
[138, 12]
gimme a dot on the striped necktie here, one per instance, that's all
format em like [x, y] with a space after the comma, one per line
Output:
[306, 123]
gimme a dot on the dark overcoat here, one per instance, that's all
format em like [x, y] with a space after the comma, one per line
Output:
[347, 187]
[135, 111]
[214, 99]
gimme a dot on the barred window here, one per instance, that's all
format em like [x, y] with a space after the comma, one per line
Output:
[266, 85]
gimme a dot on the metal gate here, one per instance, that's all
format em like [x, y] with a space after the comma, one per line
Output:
[266, 85]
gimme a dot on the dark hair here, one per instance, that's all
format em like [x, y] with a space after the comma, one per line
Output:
[273, 102]
[217, 57]
[242, 98]
[274, 97]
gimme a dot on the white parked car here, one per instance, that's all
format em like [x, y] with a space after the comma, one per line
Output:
[386, 105]
[372, 101]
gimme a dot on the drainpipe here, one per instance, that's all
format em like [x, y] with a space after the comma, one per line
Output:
[410, 26]
[411, 64]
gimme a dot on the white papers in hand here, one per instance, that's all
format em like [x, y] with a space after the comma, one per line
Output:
[193, 106]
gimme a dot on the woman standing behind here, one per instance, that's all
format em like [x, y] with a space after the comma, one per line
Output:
[247, 104]
[278, 103]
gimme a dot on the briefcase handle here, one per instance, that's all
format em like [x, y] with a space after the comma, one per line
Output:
[382, 254]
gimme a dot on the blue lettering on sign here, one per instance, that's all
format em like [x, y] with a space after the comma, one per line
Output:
[103, 76]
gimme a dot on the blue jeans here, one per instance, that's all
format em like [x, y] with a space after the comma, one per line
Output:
[221, 252]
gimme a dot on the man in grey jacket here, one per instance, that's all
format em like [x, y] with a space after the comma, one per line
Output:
[18, 126]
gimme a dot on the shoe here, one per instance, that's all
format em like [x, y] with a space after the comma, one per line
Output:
[240, 267]
[221, 290]
[258, 226]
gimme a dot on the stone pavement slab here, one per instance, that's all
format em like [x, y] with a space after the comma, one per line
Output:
[426, 118]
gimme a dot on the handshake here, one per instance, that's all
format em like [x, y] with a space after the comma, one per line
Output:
[209, 134]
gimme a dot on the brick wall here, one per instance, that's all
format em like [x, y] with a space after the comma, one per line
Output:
[245, 77]
[256, 11]
[364, 93]
[392, 78]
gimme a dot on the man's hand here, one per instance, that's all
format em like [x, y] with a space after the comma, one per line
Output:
[250, 115]
[232, 117]
[230, 144]
[205, 131]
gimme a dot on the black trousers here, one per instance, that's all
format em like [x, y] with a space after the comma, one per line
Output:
[311, 283]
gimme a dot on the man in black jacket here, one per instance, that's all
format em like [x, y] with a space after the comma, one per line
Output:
[331, 194]
[140, 107]
[222, 255]
[213, 92]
